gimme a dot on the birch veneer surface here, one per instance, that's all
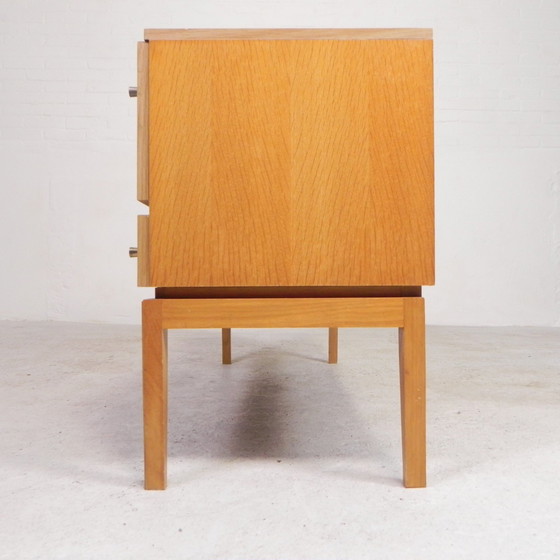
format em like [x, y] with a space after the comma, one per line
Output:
[291, 162]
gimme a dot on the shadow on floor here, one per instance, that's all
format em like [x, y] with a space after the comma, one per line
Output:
[279, 399]
[272, 403]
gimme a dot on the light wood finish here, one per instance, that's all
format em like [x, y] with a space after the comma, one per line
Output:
[142, 125]
[291, 291]
[275, 34]
[289, 175]
[143, 251]
[281, 312]
[226, 346]
[412, 360]
[406, 313]
[333, 345]
[154, 357]
[291, 163]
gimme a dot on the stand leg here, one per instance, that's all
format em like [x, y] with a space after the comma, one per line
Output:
[412, 360]
[226, 346]
[333, 345]
[154, 356]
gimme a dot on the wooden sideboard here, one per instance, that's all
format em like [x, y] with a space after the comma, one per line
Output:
[289, 177]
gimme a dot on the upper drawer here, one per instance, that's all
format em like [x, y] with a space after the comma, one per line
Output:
[142, 174]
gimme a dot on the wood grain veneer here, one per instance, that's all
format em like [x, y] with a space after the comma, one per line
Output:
[291, 162]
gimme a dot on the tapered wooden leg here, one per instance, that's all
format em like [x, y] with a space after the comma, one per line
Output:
[412, 360]
[226, 346]
[154, 357]
[333, 345]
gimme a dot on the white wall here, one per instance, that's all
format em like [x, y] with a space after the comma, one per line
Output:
[67, 157]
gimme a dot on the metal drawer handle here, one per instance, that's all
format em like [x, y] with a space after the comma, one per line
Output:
[132, 91]
[133, 252]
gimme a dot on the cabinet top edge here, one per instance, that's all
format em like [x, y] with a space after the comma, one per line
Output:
[279, 34]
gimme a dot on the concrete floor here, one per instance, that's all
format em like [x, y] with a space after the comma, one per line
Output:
[279, 455]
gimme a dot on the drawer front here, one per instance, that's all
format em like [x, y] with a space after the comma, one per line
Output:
[291, 163]
[143, 252]
[142, 173]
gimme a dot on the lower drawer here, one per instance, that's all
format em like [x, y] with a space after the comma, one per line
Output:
[143, 252]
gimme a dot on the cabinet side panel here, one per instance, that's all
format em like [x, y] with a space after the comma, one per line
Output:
[362, 177]
[219, 163]
[291, 163]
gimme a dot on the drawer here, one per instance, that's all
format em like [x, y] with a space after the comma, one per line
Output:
[142, 185]
[143, 252]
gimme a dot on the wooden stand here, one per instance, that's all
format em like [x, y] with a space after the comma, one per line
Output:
[406, 313]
